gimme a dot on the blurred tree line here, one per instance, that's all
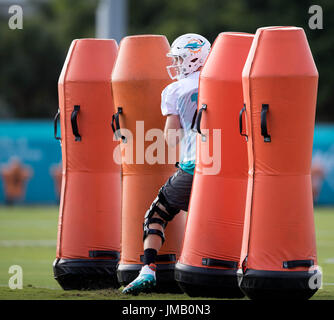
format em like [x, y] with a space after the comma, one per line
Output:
[210, 17]
[31, 59]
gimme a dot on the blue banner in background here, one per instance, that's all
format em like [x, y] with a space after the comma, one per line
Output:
[323, 165]
[33, 143]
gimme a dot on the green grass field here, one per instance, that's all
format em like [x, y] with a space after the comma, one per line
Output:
[28, 239]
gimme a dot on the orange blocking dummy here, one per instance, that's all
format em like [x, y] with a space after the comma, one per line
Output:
[278, 258]
[89, 232]
[212, 243]
[138, 79]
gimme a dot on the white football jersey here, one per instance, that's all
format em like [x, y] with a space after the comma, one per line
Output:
[180, 98]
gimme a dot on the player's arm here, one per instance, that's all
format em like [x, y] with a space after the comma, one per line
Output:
[173, 132]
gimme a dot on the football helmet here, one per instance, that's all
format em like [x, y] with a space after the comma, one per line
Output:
[189, 53]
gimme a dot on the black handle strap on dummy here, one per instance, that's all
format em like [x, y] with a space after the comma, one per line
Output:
[74, 122]
[199, 118]
[55, 122]
[209, 262]
[104, 254]
[194, 120]
[162, 258]
[297, 263]
[240, 122]
[264, 129]
[116, 126]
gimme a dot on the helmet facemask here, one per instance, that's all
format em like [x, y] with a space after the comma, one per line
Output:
[175, 70]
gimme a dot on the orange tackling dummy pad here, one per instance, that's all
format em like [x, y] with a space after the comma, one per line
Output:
[212, 243]
[89, 237]
[280, 90]
[138, 79]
